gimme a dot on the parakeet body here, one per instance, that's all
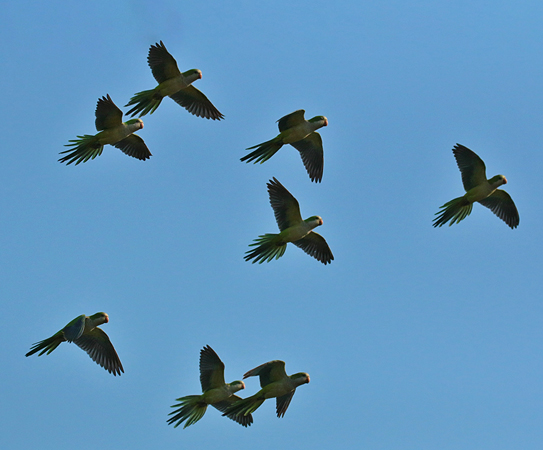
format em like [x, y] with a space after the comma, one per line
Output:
[275, 383]
[113, 131]
[216, 392]
[301, 134]
[174, 84]
[293, 229]
[84, 332]
[478, 189]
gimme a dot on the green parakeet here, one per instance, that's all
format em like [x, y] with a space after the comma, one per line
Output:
[293, 229]
[275, 383]
[478, 189]
[215, 393]
[112, 131]
[84, 332]
[174, 84]
[301, 134]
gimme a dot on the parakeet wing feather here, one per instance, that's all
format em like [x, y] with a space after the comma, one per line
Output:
[312, 154]
[134, 146]
[98, 346]
[501, 204]
[108, 115]
[75, 328]
[283, 402]
[471, 167]
[315, 245]
[285, 206]
[268, 372]
[211, 369]
[162, 64]
[291, 120]
[195, 102]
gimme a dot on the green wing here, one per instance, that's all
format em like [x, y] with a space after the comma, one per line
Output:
[291, 120]
[98, 346]
[283, 402]
[315, 245]
[471, 167]
[312, 154]
[162, 64]
[107, 114]
[285, 206]
[134, 146]
[268, 372]
[501, 204]
[195, 102]
[75, 328]
[211, 369]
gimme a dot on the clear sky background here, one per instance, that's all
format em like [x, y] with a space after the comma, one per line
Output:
[414, 337]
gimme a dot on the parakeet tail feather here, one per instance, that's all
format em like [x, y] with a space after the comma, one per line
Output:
[190, 409]
[82, 149]
[267, 248]
[145, 103]
[454, 211]
[244, 407]
[264, 151]
[46, 346]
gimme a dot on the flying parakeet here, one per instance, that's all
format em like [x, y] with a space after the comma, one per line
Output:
[215, 393]
[275, 383]
[84, 332]
[293, 229]
[478, 189]
[112, 131]
[301, 134]
[174, 84]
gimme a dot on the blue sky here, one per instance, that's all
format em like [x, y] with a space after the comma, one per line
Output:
[414, 337]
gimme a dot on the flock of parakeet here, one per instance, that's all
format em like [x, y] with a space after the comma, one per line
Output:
[302, 135]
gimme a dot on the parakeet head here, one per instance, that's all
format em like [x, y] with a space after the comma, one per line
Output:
[300, 378]
[320, 120]
[237, 386]
[498, 180]
[316, 221]
[137, 124]
[192, 75]
[99, 318]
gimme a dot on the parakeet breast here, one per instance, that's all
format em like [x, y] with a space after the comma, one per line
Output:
[481, 191]
[172, 85]
[298, 132]
[217, 394]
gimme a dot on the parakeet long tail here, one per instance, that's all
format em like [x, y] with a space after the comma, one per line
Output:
[454, 211]
[269, 247]
[47, 345]
[264, 151]
[190, 409]
[145, 102]
[244, 407]
[82, 149]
